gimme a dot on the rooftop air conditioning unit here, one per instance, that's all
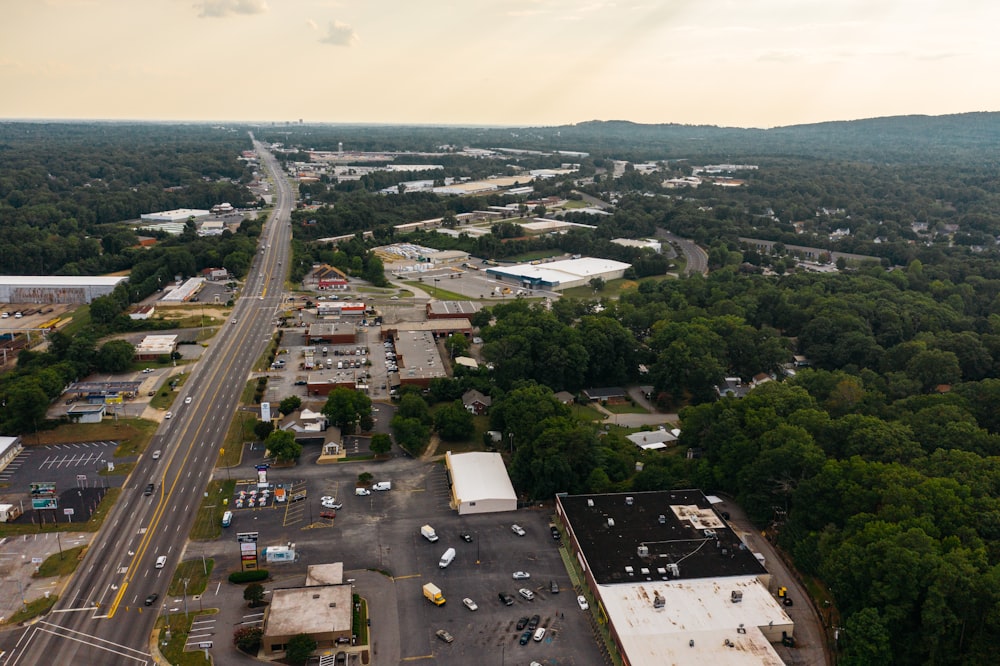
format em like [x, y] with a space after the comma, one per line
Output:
[629, 501]
[611, 522]
[674, 570]
[662, 519]
[642, 551]
[736, 596]
[658, 601]
[630, 571]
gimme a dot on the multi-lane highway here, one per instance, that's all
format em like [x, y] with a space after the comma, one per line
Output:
[101, 618]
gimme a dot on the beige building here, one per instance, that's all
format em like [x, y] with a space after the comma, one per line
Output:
[322, 611]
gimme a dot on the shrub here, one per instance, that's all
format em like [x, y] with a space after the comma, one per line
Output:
[252, 576]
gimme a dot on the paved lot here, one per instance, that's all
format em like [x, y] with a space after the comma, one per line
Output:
[381, 532]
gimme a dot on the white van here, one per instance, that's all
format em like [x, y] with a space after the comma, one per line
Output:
[161, 561]
[227, 519]
[447, 558]
[383, 485]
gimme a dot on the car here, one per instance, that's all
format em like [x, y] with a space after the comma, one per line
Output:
[506, 599]
[146, 371]
[470, 604]
[517, 529]
[521, 575]
[328, 514]
[525, 637]
[332, 504]
[527, 594]
[582, 602]
[168, 415]
[466, 537]
[149, 489]
[555, 533]
[151, 393]
[522, 623]
[71, 401]
[361, 492]
[151, 599]
[300, 382]
[234, 321]
[534, 622]
[394, 298]
[444, 635]
[187, 400]
[156, 454]
[539, 634]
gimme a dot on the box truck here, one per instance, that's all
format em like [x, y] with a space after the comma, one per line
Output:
[447, 558]
[428, 533]
[433, 594]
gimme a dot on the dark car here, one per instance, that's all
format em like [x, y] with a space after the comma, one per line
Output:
[534, 622]
[151, 599]
[555, 533]
[506, 599]
[149, 489]
[466, 537]
[525, 637]
[522, 623]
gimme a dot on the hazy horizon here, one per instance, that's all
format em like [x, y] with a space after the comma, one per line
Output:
[489, 63]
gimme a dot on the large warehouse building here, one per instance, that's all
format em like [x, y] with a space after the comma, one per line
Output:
[559, 274]
[479, 483]
[676, 584]
[56, 288]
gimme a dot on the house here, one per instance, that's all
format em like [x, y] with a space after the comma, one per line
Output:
[607, 394]
[732, 387]
[329, 277]
[653, 440]
[565, 397]
[476, 402]
[141, 312]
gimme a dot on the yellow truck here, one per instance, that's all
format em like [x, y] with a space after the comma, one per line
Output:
[433, 594]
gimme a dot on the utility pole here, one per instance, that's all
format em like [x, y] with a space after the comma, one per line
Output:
[185, 597]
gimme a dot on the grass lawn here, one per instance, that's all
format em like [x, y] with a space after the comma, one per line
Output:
[437, 292]
[263, 362]
[32, 609]
[165, 396]
[80, 320]
[240, 429]
[473, 443]
[626, 408]
[208, 522]
[60, 564]
[197, 573]
[121, 469]
[586, 413]
[173, 650]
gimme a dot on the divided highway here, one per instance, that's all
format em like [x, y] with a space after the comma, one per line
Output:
[100, 617]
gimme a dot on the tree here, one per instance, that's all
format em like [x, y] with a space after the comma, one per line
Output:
[262, 429]
[253, 594]
[411, 434]
[248, 639]
[300, 647]
[454, 423]
[412, 406]
[597, 283]
[115, 356]
[381, 444]
[344, 407]
[283, 446]
[289, 404]
[456, 344]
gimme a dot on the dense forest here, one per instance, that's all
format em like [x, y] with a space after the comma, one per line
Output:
[877, 468]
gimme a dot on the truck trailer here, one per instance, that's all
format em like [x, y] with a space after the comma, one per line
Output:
[433, 594]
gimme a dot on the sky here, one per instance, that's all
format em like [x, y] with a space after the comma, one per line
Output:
[737, 63]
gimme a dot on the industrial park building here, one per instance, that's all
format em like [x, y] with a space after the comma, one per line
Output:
[676, 584]
[556, 275]
[56, 288]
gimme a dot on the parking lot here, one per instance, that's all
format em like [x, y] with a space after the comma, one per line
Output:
[381, 532]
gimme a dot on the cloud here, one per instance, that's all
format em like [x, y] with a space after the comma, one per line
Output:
[312, 24]
[340, 34]
[220, 8]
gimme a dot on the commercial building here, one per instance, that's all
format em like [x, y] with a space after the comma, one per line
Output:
[10, 447]
[322, 609]
[452, 309]
[335, 334]
[543, 226]
[340, 308]
[479, 483]
[154, 346]
[56, 288]
[176, 215]
[559, 274]
[643, 244]
[185, 291]
[417, 355]
[676, 584]
[90, 413]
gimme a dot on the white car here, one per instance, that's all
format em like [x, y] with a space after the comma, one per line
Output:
[331, 504]
[517, 529]
[470, 604]
[521, 575]
[582, 601]
[526, 593]
[187, 400]
[168, 415]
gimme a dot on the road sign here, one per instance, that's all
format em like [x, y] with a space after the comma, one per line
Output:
[36, 560]
[68, 511]
[246, 537]
[206, 645]
[81, 477]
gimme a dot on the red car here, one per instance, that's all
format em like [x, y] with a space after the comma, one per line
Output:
[328, 514]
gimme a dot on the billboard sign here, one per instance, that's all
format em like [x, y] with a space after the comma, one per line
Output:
[265, 412]
[246, 537]
[44, 502]
[42, 488]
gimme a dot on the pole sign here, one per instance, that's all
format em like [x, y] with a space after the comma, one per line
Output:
[265, 412]
[246, 537]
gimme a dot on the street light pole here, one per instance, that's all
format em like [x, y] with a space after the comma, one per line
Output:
[185, 597]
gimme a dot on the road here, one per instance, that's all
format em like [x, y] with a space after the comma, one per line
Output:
[100, 617]
[697, 258]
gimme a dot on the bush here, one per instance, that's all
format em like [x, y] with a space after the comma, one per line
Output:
[248, 639]
[252, 576]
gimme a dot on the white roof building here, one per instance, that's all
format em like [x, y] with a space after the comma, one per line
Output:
[480, 483]
[652, 440]
[56, 288]
[156, 345]
[560, 274]
[184, 292]
[176, 215]
[647, 243]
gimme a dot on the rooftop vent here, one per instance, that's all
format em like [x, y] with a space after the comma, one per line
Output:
[662, 573]
[658, 601]
[590, 502]
[674, 570]
[629, 501]
[611, 522]
[662, 519]
[736, 596]
[642, 551]
[630, 571]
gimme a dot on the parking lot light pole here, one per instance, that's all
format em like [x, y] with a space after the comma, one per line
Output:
[185, 596]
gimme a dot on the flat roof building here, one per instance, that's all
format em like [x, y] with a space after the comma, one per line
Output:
[417, 355]
[559, 274]
[176, 215]
[321, 611]
[10, 447]
[676, 584]
[339, 333]
[154, 346]
[452, 309]
[480, 483]
[56, 288]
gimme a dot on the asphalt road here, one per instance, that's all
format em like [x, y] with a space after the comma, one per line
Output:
[100, 618]
[697, 258]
